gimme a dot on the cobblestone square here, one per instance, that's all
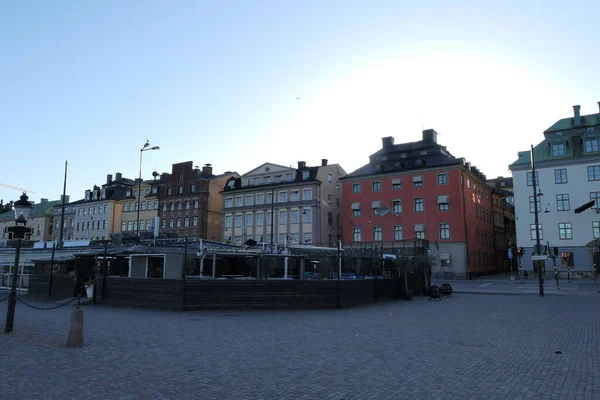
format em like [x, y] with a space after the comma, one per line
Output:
[467, 347]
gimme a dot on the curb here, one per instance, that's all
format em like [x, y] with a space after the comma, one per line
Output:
[505, 293]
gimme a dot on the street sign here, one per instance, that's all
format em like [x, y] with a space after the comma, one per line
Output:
[539, 258]
[510, 254]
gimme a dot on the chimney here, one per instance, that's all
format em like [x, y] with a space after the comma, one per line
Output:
[207, 170]
[108, 179]
[301, 164]
[43, 200]
[323, 162]
[387, 142]
[66, 198]
[118, 176]
[577, 115]
[430, 135]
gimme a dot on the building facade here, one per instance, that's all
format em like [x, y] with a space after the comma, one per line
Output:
[68, 221]
[306, 202]
[98, 214]
[40, 220]
[190, 201]
[419, 190]
[567, 165]
[504, 184]
[148, 207]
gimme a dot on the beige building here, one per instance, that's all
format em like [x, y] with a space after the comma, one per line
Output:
[41, 220]
[307, 205]
[148, 208]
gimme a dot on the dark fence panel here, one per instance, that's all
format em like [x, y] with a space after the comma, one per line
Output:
[152, 293]
[63, 286]
[262, 294]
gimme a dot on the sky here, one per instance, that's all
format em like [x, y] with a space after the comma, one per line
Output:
[239, 83]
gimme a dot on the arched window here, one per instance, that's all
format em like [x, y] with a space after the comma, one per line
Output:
[187, 205]
[195, 203]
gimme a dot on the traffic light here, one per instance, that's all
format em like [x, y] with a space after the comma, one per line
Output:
[520, 252]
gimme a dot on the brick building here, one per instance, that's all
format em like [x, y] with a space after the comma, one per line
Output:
[190, 201]
[420, 190]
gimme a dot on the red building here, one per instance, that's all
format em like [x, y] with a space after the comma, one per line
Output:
[420, 190]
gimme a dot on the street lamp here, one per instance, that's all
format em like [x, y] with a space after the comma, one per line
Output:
[537, 227]
[22, 210]
[139, 202]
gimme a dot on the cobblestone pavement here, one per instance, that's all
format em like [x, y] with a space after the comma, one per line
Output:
[467, 347]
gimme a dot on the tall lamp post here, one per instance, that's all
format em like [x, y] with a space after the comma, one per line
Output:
[139, 199]
[272, 215]
[22, 209]
[538, 245]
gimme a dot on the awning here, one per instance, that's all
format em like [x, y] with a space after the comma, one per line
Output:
[418, 178]
[445, 256]
[419, 228]
[443, 199]
[376, 204]
[396, 181]
[356, 206]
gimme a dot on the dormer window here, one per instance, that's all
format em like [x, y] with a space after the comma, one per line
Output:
[267, 179]
[128, 193]
[591, 145]
[95, 195]
[558, 150]
[289, 177]
[305, 174]
[103, 194]
[88, 195]
[230, 184]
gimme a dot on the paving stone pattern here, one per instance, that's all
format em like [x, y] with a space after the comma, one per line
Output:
[467, 347]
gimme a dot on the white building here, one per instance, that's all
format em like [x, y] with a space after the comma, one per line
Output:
[567, 166]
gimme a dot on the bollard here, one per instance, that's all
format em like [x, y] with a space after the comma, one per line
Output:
[76, 329]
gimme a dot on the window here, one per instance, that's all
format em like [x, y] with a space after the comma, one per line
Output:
[442, 179]
[238, 221]
[267, 179]
[164, 207]
[186, 222]
[356, 210]
[560, 176]
[163, 224]
[356, 188]
[169, 191]
[558, 150]
[307, 194]
[260, 219]
[562, 202]
[329, 178]
[443, 204]
[136, 206]
[180, 206]
[444, 231]
[277, 178]
[305, 174]
[104, 224]
[595, 196]
[123, 226]
[125, 207]
[289, 177]
[377, 186]
[249, 200]
[591, 146]
[294, 195]
[142, 225]
[188, 205]
[397, 207]
[228, 221]
[294, 216]
[196, 204]
[249, 219]
[532, 234]
[307, 216]
[356, 235]
[283, 217]
[338, 219]
[396, 184]
[149, 205]
[419, 204]
[565, 232]
[282, 197]
[419, 234]
[595, 229]
[377, 234]
[594, 173]
[172, 206]
[338, 202]
[78, 225]
[229, 202]
[398, 232]
[256, 180]
[269, 197]
[192, 188]
[308, 237]
[106, 208]
[178, 223]
[195, 222]
[260, 199]
[135, 192]
[171, 223]
[239, 201]
[530, 180]
[330, 218]
[143, 206]
[532, 204]
[130, 226]
[417, 181]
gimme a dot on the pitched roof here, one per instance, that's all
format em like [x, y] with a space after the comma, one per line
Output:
[38, 210]
[569, 123]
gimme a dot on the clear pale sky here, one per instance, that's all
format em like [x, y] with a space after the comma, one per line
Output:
[217, 81]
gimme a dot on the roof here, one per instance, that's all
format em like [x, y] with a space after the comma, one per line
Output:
[237, 185]
[569, 123]
[38, 210]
